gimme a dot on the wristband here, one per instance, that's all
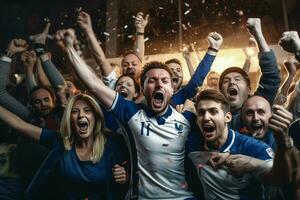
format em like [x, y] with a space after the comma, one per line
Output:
[213, 49]
[40, 49]
[139, 33]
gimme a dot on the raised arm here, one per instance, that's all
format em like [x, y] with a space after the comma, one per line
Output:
[85, 23]
[28, 59]
[290, 66]
[290, 42]
[270, 78]
[215, 41]
[6, 100]
[20, 125]
[41, 76]
[140, 25]
[88, 77]
[53, 75]
[187, 56]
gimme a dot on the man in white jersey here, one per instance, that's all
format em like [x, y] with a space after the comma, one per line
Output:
[159, 131]
[213, 116]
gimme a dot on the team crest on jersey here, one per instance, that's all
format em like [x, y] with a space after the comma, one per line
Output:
[270, 152]
[179, 128]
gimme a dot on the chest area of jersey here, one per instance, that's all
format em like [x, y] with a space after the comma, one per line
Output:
[170, 135]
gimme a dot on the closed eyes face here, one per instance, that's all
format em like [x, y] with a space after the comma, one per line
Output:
[42, 101]
[82, 119]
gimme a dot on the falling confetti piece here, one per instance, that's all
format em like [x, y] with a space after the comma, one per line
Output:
[125, 26]
[130, 36]
[184, 27]
[106, 33]
[161, 8]
[146, 39]
[203, 1]
[186, 4]
[187, 12]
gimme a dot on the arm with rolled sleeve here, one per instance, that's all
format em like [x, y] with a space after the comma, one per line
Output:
[54, 76]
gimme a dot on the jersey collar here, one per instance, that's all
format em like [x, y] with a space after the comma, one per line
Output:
[229, 142]
[160, 119]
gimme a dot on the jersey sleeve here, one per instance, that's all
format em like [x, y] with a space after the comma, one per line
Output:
[49, 138]
[196, 80]
[123, 109]
[255, 148]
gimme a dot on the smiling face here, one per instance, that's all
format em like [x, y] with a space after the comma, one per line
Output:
[236, 90]
[177, 75]
[131, 65]
[42, 101]
[256, 113]
[82, 119]
[125, 86]
[158, 90]
[212, 121]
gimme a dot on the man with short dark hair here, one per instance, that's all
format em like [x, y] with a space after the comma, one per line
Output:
[213, 116]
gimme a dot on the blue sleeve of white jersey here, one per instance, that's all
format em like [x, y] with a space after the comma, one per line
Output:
[197, 79]
[123, 109]
[191, 117]
[252, 147]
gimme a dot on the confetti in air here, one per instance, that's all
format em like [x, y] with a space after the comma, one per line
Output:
[106, 33]
[187, 12]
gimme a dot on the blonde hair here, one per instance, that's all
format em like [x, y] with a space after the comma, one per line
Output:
[99, 130]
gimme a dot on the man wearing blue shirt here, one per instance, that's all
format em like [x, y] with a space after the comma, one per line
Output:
[213, 116]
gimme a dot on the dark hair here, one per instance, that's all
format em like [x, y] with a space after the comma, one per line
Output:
[173, 60]
[47, 88]
[136, 85]
[153, 65]
[130, 53]
[214, 95]
[234, 69]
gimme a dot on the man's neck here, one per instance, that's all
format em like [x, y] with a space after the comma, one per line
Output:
[217, 144]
